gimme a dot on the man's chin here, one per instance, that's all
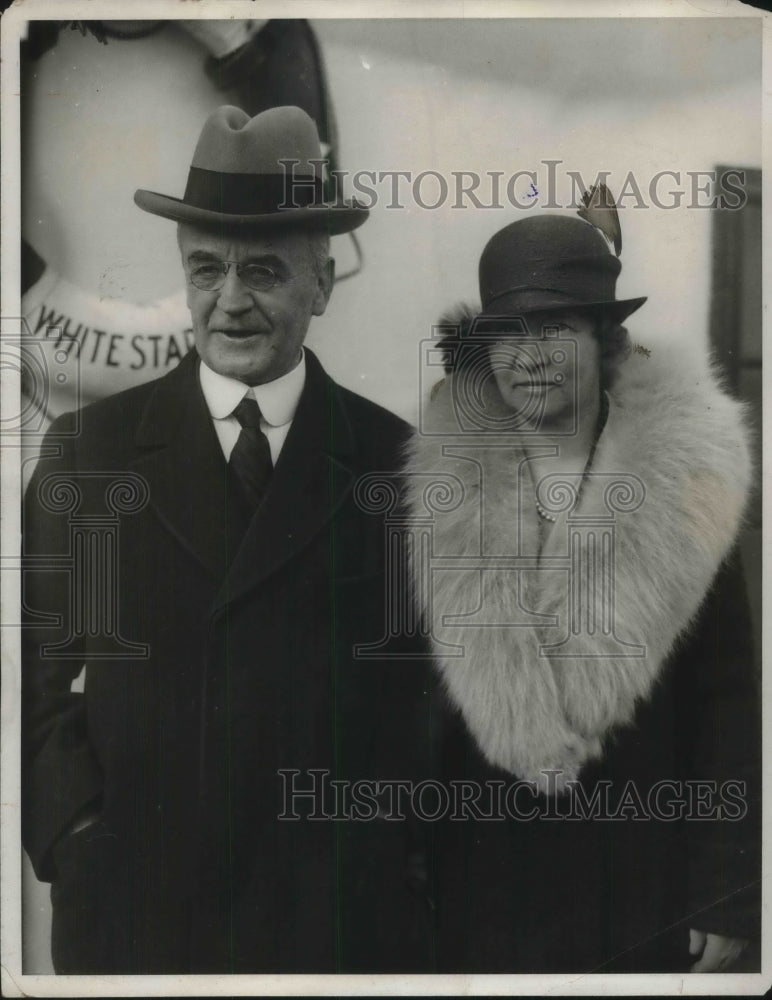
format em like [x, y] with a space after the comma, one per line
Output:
[248, 359]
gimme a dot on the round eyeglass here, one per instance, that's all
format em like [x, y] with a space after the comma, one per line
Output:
[210, 277]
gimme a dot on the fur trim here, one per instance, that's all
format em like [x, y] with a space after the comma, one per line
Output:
[457, 321]
[530, 710]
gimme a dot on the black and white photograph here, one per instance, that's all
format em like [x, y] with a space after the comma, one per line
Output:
[382, 507]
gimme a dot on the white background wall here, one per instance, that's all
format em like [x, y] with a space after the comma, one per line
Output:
[616, 95]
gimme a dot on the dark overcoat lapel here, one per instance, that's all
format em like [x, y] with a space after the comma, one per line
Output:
[181, 460]
[312, 478]
[186, 472]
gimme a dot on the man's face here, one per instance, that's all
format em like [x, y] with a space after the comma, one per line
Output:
[547, 373]
[254, 336]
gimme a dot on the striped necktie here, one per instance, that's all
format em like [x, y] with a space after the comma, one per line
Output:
[251, 456]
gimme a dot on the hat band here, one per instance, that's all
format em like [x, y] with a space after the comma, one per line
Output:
[251, 194]
[530, 289]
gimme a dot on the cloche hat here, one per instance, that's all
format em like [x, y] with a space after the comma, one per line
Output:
[550, 262]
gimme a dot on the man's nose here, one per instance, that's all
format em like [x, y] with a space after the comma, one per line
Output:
[235, 296]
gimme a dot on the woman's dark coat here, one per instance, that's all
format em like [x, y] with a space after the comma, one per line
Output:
[620, 894]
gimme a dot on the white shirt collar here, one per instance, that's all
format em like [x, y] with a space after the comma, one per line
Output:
[277, 400]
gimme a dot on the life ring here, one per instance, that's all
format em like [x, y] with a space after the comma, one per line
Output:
[82, 347]
[89, 347]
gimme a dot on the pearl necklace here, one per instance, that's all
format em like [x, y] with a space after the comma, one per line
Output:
[543, 513]
[602, 417]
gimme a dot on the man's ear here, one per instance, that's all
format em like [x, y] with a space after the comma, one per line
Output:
[189, 289]
[325, 282]
[181, 229]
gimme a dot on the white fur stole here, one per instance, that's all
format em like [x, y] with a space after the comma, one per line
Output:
[672, 429]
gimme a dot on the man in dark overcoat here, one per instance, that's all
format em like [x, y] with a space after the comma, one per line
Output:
[198, 545]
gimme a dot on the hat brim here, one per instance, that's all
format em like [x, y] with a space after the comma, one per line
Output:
[333, 219]
[617, 309]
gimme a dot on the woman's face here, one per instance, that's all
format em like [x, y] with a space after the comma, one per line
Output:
[553, 371]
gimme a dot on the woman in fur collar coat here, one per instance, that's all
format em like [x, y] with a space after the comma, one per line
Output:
[589, 627]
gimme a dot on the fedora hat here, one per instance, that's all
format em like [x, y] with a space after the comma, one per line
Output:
[550, 262]
[237, 177]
